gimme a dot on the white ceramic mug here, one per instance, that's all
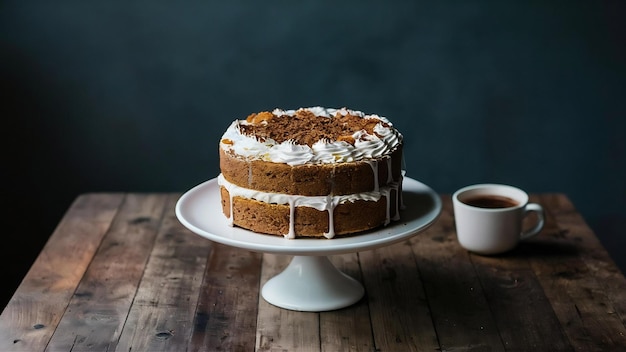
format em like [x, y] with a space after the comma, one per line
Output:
[488, 217]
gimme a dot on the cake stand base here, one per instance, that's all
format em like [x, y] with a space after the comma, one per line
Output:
[312, 284]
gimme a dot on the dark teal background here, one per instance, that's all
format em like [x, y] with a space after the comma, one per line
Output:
[134, 95]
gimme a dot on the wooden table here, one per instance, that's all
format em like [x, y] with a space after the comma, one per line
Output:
[121, 273]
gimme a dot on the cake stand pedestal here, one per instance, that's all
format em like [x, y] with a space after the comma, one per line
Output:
[310, 282]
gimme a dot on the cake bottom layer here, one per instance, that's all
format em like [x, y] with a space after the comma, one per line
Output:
[301, 221]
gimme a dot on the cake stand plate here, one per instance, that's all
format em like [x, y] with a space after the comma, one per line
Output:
[310, 282]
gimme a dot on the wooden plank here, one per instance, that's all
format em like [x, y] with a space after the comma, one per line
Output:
[573, 268]
[347, 329]
[281, 329]
[226, 315]
[523, 314]
[400, 316]
[97, 311]
[31, 316]
[162, 313]
[459, 308]
[595, 256]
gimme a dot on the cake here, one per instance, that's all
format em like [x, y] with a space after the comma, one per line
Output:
[311, 172]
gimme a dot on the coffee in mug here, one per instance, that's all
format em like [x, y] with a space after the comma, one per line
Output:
[491, 202]
[488, 217]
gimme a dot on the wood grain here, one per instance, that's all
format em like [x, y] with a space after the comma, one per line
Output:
[162, 313]
[460, 310]
[400, 316]
[121, 273]
[574, 271]
[99, 307]
[31, 316]
[226, 316]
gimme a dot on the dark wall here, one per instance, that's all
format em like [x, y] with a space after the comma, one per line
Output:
[133, 96]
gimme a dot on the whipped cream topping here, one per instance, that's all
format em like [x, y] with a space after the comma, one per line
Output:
[383, 141]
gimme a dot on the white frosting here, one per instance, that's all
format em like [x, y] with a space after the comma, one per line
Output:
[290, 153]
[244, 145]
[327, 152]
[321, 203]
[384, 140]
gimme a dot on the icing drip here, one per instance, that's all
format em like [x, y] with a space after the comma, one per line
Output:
[389, 171]
[231, 218]
[331, 217]
[401, 202]
[397, 188]
[374, 165]
[322, 203]
[292, 222]
[397, 204]
[387, 194]
[317, 202]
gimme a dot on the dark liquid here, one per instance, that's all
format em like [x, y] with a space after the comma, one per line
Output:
[491, 202]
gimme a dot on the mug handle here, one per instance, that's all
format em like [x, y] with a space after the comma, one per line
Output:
[533, 207]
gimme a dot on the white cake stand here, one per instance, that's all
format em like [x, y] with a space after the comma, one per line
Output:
[310, 282]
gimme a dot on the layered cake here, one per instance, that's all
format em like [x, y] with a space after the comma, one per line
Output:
[311, 172]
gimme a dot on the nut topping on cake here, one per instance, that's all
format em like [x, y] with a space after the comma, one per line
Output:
[305, 128]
